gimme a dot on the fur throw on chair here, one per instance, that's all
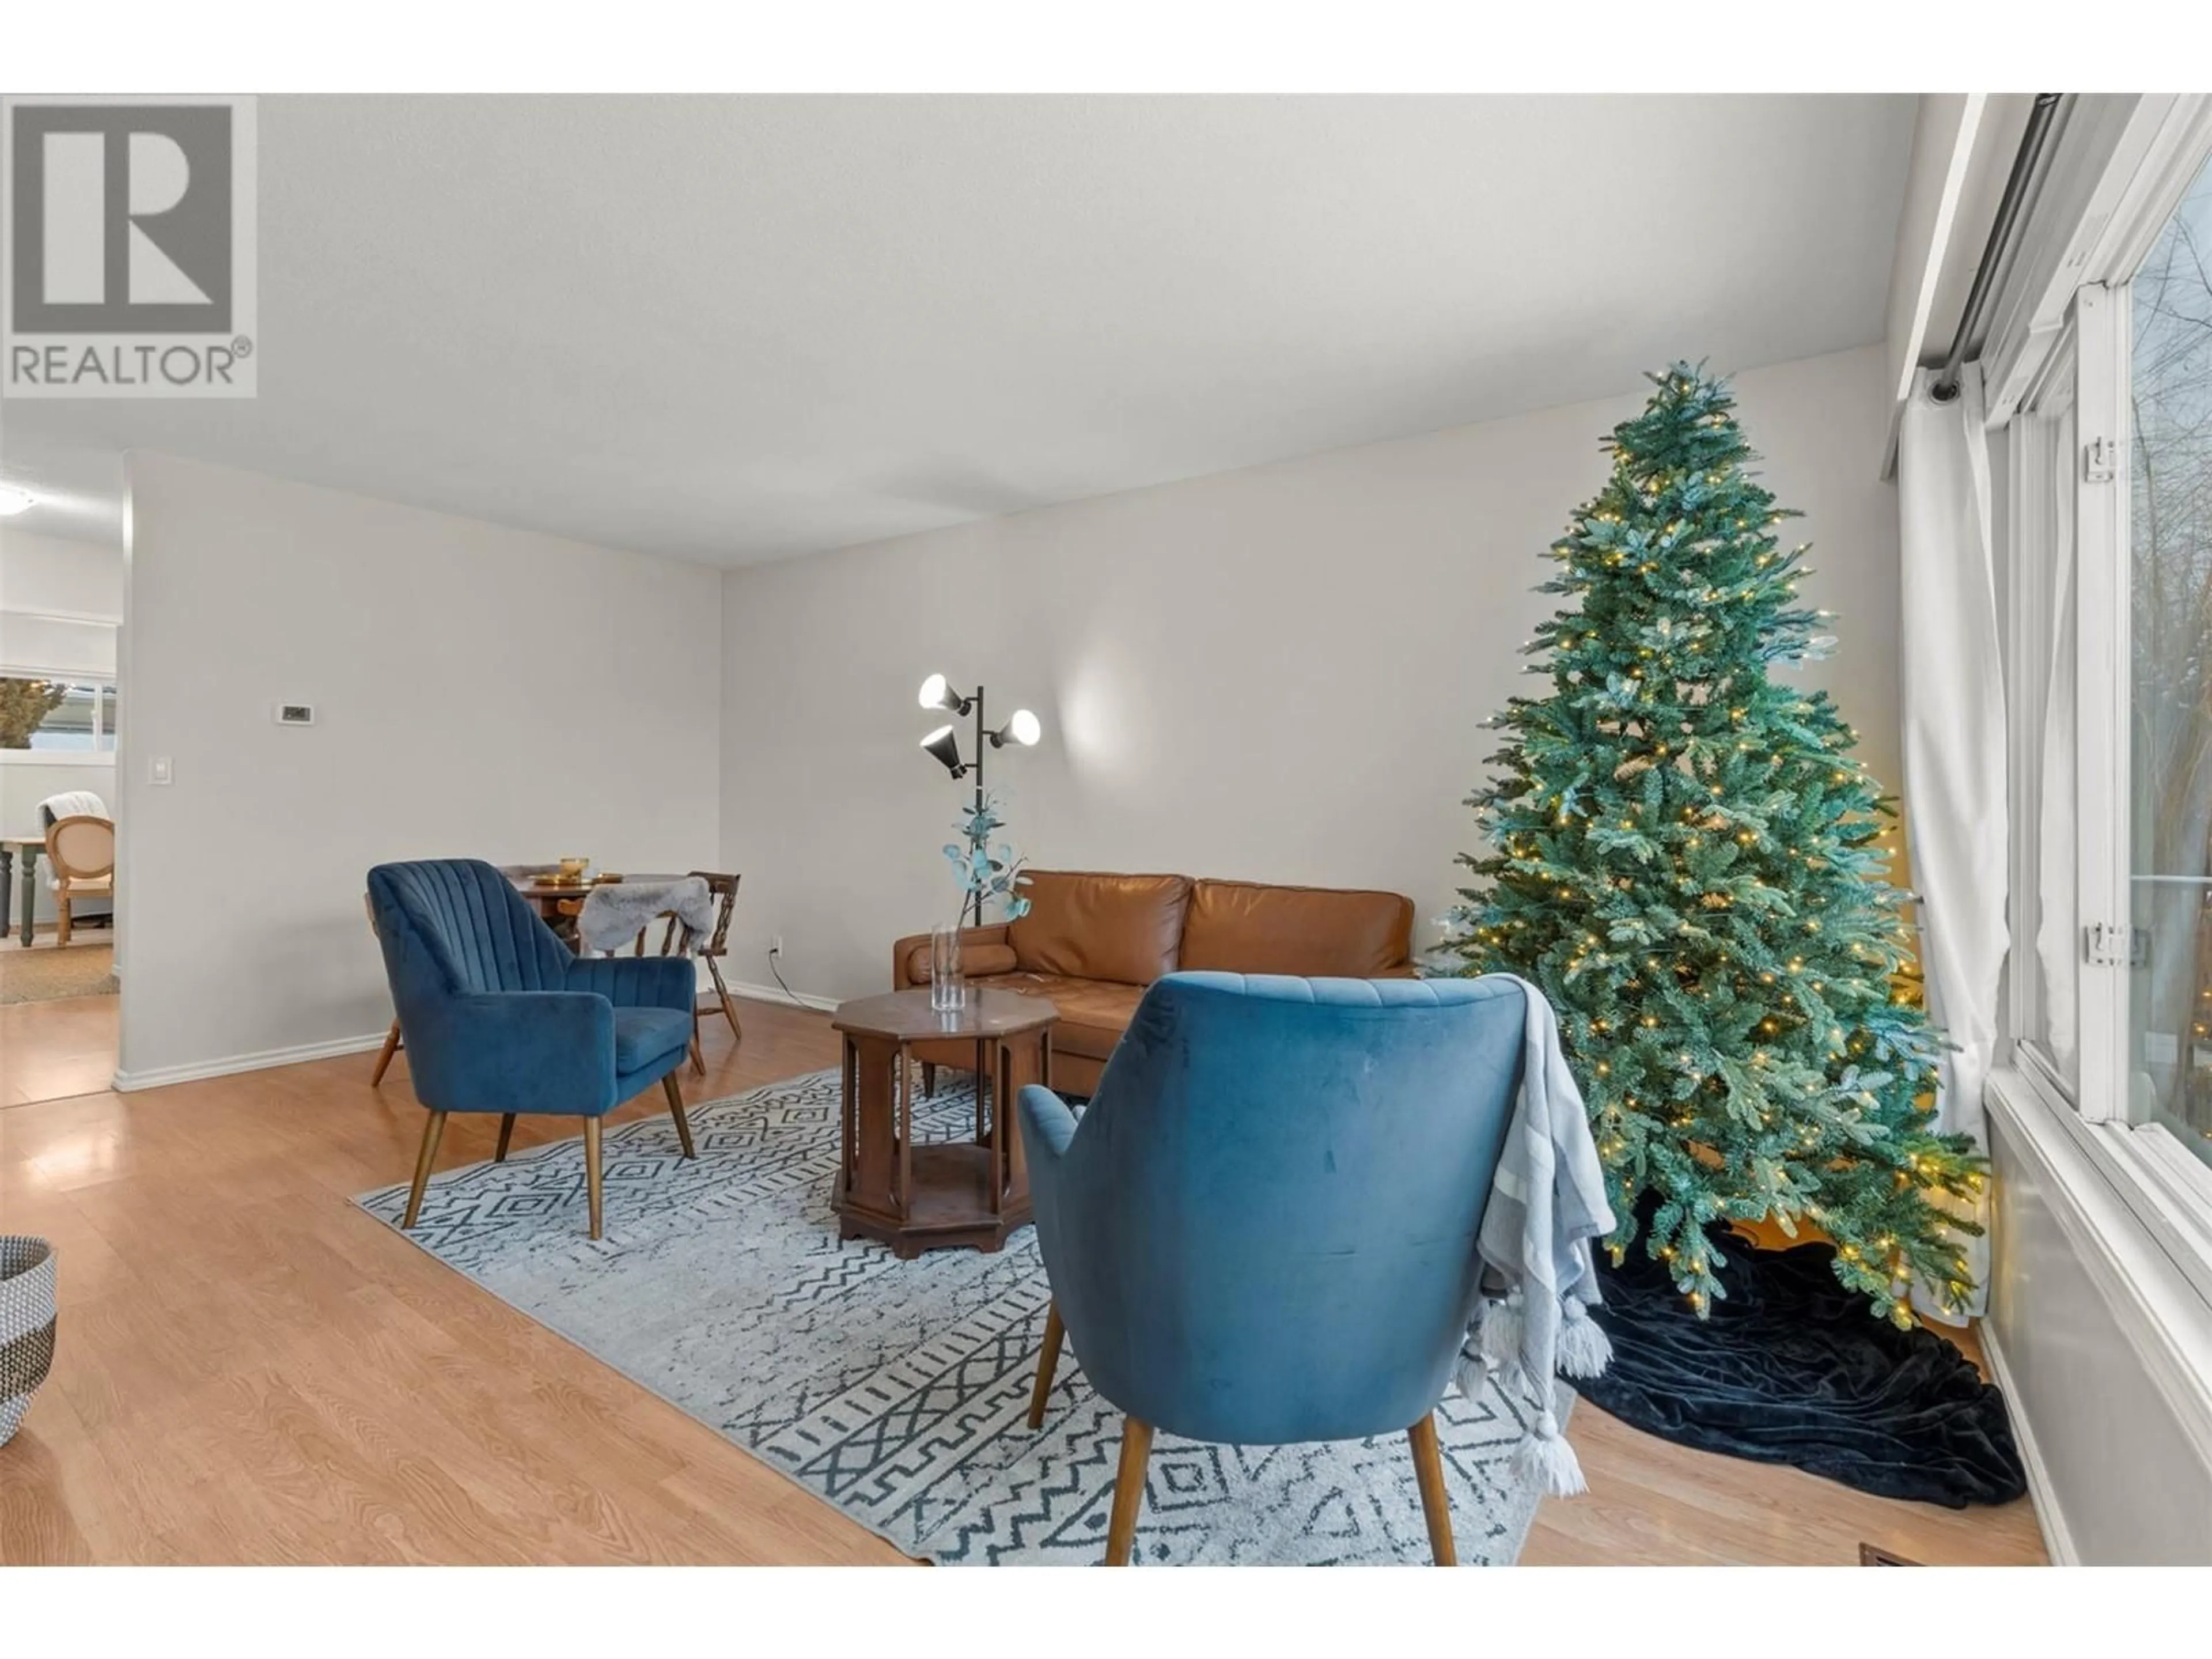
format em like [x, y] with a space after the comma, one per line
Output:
[614, 912]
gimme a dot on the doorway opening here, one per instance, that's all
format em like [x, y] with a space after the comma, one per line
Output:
[61, 708]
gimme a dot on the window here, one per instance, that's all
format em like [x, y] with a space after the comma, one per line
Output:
[2107, 536]
[2169, 559]
[57, 714]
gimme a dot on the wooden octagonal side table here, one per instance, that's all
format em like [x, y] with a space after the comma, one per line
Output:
[936, 1195]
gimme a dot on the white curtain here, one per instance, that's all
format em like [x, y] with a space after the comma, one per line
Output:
[2058, 934]
[1954, 747]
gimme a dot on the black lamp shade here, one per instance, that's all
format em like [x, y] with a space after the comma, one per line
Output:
[946, 746]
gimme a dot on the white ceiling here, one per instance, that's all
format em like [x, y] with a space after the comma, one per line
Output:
[733, 329]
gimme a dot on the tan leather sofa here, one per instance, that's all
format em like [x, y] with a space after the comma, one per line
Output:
[1092, 943]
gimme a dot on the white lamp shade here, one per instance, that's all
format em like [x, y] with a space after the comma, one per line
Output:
[935, 694]
[1024, 728]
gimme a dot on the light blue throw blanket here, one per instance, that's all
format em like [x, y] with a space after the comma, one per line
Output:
[1547, 1204]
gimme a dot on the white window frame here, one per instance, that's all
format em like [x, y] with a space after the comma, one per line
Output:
[100, 681]
[2032, 596]
[2069, 343]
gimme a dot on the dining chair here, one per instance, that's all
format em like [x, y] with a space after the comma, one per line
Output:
[500, 1017]
[1262, 1230]
[80, 860]
[725, 891]
[71, 803]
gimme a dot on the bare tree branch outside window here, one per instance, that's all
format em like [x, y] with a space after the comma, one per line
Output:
[2171, 739]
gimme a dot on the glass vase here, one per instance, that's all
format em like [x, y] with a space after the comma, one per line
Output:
[948, 990]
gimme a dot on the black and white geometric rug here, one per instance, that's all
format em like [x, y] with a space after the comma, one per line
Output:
[899, 1390]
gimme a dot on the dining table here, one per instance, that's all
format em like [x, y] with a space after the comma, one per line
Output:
[546, 895]
[27, 849]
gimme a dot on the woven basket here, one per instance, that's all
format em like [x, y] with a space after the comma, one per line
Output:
[27, 1325]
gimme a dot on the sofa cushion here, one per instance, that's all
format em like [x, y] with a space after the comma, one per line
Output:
[1093, 1012]
[645, 1035]
[1085, 925]
[1313, 932]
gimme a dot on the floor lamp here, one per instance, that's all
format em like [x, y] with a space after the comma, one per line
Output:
[1022, 728]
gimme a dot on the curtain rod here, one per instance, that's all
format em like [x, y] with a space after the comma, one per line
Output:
[2011, 211]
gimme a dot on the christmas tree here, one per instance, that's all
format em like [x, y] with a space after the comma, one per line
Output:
[1686, 860]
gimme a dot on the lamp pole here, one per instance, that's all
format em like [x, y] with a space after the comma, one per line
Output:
[978, 897]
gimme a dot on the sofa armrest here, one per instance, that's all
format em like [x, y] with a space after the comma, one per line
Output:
[903, 953]
[637, 982]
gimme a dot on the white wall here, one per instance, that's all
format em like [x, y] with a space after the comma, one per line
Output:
[480, 691]
[57, 642]
[59, 603]
[24, 784]
[46, 575]
[1273, 673]
[2103, 1349]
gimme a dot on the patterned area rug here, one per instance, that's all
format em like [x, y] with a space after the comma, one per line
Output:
[48, 973]
[899, 1390]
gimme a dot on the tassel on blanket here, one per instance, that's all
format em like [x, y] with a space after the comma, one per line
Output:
[1544, 1458]
[1470, 1372]
[1584, 1349]
[1499, 1339]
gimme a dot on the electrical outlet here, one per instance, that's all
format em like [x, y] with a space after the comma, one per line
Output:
[776, 944]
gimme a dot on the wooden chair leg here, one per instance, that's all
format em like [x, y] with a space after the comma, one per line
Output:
[1128, 1490]
[506, 1134]
[698, 1058]
[592, 1171]
[928, 1078]
[722, 992]
[432, 1131]
[384, 1060]
[1047, 1362]
[62, 917]
[1436, 1503]
[675, 1111]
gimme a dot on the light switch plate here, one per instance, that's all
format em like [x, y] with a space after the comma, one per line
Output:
[159, 772]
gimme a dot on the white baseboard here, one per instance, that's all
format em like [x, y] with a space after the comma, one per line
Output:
[2050, 1519]
[161, 1077]
[776, 993]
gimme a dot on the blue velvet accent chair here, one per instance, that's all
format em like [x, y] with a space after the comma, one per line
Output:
[499, 1016]
[1262, 1230]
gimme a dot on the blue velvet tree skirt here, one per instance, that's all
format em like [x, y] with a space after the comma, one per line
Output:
[1792, 1368]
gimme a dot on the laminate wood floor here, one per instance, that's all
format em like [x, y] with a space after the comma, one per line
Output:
[51, 1050]
[251, 1369]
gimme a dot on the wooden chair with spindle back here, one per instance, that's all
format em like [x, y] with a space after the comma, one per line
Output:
[725, 890]
[81, 851]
